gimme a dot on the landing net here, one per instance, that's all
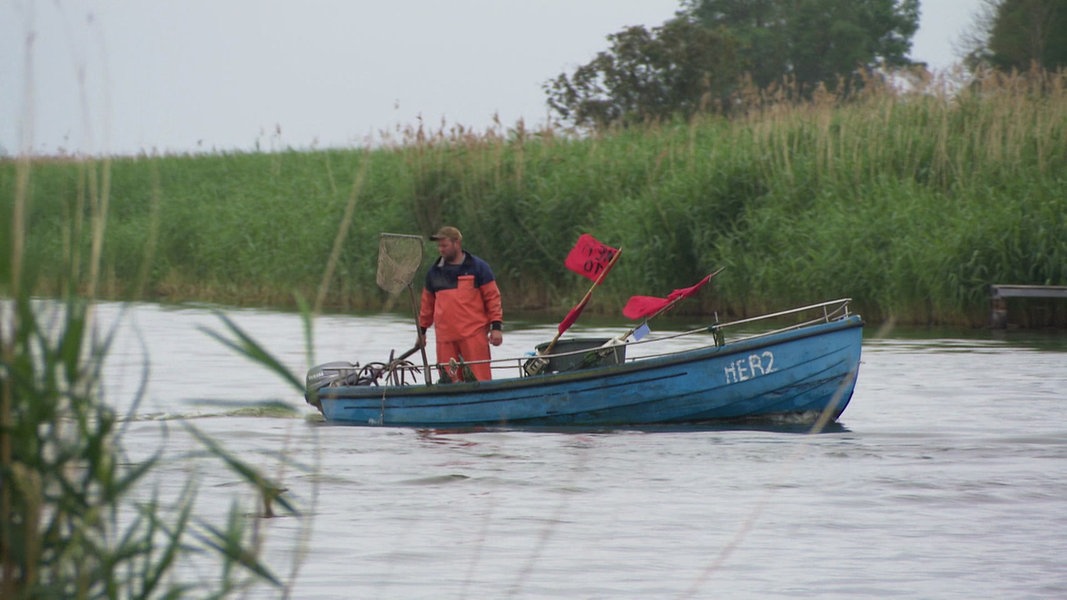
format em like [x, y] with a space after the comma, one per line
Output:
[399, 258]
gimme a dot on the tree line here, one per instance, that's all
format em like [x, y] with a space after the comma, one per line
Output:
[706, 57]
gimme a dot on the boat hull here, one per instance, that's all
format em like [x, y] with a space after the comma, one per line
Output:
[810, 370]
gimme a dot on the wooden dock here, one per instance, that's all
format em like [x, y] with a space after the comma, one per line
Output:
[999, 293]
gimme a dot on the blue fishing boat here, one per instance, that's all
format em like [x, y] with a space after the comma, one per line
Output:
[799, 363]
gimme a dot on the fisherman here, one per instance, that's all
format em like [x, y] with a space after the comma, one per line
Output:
[461, 300]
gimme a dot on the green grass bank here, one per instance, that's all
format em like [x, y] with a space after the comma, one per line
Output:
[910, 203]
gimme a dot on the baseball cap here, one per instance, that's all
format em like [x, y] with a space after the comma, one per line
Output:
[447, 232]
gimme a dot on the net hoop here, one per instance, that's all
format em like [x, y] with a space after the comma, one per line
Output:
[399, 258]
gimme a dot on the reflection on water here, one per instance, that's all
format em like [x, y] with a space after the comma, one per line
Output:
[943, 479]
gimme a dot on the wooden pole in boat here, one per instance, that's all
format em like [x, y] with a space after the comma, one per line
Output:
[537, 364]
[421, 347]
[585, 298]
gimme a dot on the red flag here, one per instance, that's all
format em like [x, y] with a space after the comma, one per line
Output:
[639, 307]
[689, 291]
[572, 316]
[590, 257]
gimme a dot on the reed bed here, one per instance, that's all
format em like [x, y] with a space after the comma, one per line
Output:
[81, 518]
[911, 201]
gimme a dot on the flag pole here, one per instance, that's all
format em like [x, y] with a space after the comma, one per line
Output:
[536, 365]
[588, 294]
[667, 307]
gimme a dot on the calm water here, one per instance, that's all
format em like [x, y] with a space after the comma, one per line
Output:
[946, 479]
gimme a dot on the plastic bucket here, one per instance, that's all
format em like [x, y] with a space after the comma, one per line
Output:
[598, 355]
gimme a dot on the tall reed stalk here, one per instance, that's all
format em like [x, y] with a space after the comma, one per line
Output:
[76, 522]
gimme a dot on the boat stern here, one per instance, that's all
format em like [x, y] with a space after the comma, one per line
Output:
[325, 375]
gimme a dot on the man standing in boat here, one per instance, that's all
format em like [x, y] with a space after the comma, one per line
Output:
[461, 300]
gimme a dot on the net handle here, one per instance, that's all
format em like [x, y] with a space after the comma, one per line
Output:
[401, 276]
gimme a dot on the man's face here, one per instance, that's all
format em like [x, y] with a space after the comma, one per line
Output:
[448, 249]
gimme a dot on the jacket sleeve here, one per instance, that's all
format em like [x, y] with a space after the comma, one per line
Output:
[426, 309]
[491, 297]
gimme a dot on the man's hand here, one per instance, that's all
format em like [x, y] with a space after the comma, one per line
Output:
[420, 340]
[496, 337]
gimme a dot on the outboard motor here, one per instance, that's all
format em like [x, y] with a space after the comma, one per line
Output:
[340, 373]
[323, 375]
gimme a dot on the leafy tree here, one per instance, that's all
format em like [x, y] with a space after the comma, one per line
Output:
[973, 45]
[1026, 32]
[676, 69]
[813, 41]
[695, 61]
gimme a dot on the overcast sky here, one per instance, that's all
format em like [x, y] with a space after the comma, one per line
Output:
[130, 76]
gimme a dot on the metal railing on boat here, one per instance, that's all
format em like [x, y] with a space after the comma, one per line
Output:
[822, 312]
[828, 311]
